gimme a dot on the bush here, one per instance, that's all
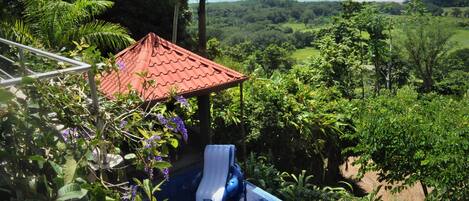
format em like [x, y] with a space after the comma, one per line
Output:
[410, 138]
[295, 124]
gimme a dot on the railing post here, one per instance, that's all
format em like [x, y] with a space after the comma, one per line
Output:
[95, 111]
[21, 57]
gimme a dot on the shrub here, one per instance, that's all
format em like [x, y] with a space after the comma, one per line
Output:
[409, 138]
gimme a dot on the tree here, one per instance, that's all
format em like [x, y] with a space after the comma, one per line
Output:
[307, 16]
[408, 139]
[275, 58]
[456, 12]
[202, 28]
[143, 16]
[377, 26]
[342, 49]
[426, 41]
[466, 13]
[56, 24]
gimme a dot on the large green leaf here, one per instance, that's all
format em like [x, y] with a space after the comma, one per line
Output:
[69, 169]
[71, 191]
[162, 164]
[174, 142]
[57, 168]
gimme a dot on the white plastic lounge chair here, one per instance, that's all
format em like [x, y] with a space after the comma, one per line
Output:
[217, 162]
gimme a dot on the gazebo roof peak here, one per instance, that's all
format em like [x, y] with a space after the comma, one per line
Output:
[170, 66]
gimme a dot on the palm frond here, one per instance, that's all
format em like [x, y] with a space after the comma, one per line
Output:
[104, 35]
[17, 31]
[93, 7]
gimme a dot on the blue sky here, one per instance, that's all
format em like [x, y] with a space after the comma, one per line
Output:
[196, 1]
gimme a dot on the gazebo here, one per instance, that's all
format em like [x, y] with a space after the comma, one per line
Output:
[170, 67]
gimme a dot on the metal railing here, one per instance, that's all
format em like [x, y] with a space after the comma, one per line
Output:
[76, 67]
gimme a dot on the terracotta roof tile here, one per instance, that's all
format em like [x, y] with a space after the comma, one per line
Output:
[170, 66]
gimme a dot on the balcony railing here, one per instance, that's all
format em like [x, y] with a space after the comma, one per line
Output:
[18, 61]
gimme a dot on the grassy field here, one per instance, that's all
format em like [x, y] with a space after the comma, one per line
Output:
[305, 53]
[296, 26]
[461, 37]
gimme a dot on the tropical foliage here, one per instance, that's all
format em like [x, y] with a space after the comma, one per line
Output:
[390, 90]
[409, 138]
[55, 24]
[55, 145]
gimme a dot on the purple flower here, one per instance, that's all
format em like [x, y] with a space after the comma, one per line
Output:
[121, 65]
[180, 127]
[158, 158]
[163, 121]
[122, 124]
[149, 141]
[69, 134]
[65, 134]
[166, 173]
[181, 100]
[149, 171]
[133, 192]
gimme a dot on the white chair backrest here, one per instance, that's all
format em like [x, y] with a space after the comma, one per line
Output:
[217, 162]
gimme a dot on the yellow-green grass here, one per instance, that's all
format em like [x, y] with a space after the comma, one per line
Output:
[461, 38]
[296, 26]
[302, 54]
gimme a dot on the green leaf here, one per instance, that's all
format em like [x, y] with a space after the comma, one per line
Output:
[174, 142]
[57, 168]
[162, 164]
[110, 198]
[424, 162]
[39, 159]
[146, 187]
[61, 146]
[69, 169]
[144, 133]
[71, 191]
[5, 96]
[157, 187]
[130, 156]
[27, 80]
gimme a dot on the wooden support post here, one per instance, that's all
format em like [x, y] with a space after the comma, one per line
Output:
[203, 103]
[243, 132]
[175, 23]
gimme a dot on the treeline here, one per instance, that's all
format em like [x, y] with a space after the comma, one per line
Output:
[258, 20]
[449, 3]
[264, 22]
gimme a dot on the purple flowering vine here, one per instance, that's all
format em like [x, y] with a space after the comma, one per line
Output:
[165, 172]
[180, 127]
[120, 64]
[69, 134]
[133, 192]
[163, 121]
[181, 100]
[158, 158]
[150, 141]
[149, 170]
[123, 124]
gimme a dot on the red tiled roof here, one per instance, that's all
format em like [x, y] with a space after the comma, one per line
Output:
[171, 67]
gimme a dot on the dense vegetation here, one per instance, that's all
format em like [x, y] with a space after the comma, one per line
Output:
[388, 85]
